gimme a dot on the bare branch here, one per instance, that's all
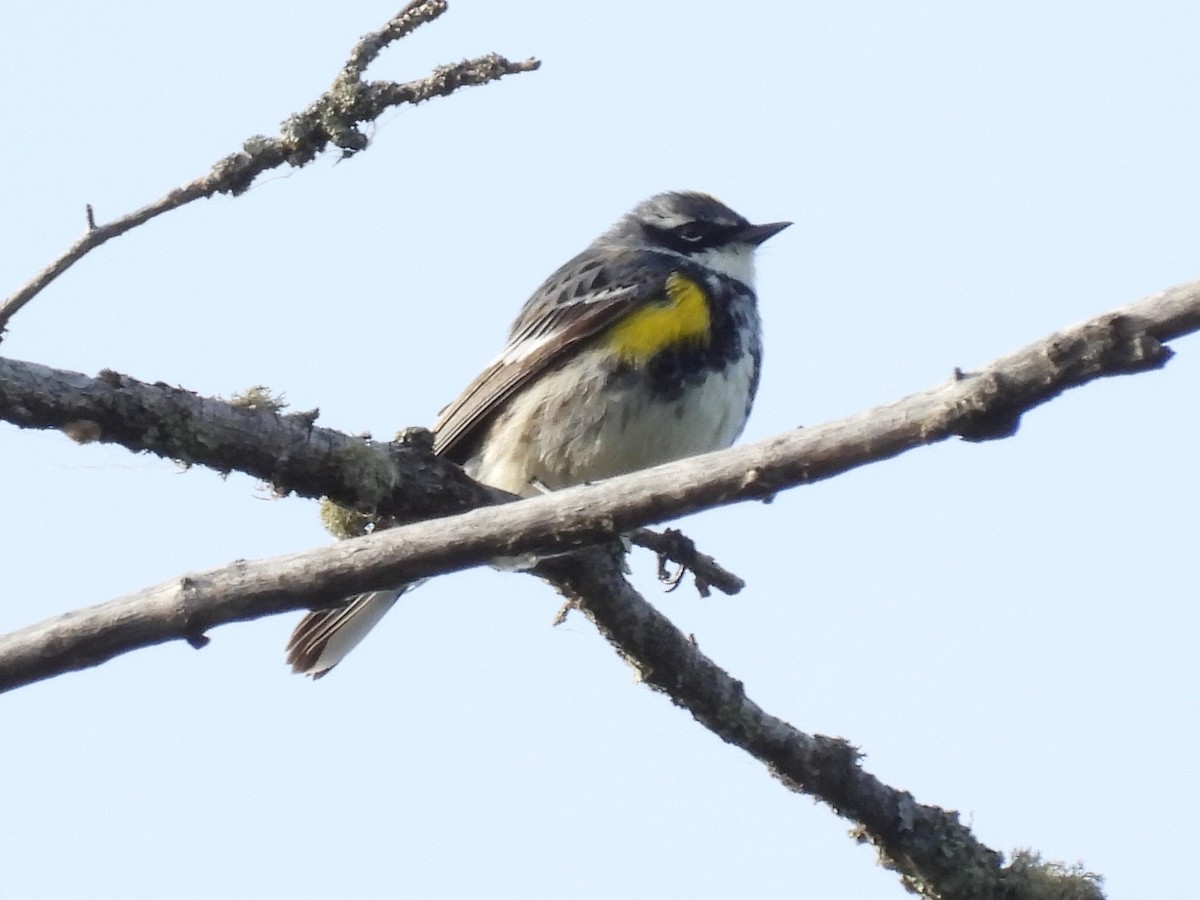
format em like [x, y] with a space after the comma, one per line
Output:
[331, 119]
[675, 546]
[934, 853]
[294, 455]
[402, 24]
[401, 481]
[931, 849]
[297, 456]
[287, 451]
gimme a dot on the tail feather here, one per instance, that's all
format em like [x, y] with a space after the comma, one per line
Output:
[323, 638]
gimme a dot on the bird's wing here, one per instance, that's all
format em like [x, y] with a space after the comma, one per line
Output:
[575, 303]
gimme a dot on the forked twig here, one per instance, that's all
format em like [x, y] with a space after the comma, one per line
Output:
[332, 119]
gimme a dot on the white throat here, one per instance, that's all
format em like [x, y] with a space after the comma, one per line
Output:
[734, 260]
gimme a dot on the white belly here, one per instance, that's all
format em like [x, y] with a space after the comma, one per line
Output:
[613, 430]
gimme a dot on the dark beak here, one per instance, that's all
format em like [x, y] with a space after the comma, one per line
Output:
[756, 234]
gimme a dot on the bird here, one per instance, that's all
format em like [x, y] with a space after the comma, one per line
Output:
[643, 349]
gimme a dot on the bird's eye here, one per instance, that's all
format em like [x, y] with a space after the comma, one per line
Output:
[693, 232]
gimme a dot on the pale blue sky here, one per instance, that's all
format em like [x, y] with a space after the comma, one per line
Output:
[1008, 629]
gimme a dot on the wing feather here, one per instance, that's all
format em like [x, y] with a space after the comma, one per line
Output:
[577, 302]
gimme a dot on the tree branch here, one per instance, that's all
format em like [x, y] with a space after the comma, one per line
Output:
[672, 545]
[406, 481]
[930, 847]
[288, 451]
[398, 482]
[332, 119]
[934, 853]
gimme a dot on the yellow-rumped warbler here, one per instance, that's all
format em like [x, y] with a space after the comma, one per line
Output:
[644, 348]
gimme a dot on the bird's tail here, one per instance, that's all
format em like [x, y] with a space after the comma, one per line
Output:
[323, 638]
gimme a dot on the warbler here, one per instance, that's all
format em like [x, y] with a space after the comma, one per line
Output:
[643, 349]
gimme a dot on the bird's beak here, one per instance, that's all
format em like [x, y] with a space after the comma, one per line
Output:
[756, 234]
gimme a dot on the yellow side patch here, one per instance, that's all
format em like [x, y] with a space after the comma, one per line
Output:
[682, 315]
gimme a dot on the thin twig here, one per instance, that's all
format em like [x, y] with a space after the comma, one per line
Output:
[333, 119]
[402, 24]
[678, 548]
